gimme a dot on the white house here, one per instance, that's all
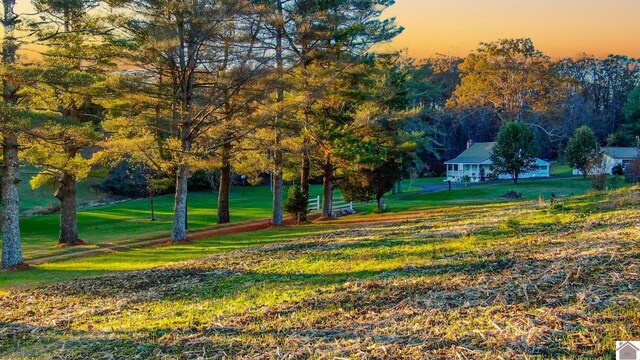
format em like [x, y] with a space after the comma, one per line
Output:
[475, 162]
[613, 156]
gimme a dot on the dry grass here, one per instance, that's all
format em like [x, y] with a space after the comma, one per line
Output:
[444, 284]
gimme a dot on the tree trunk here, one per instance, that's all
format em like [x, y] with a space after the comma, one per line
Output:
[304, 180]
[11, 244]
[224, 216]
[179, 232]
[278, 185]
[379, 200]
[327, 189]
[153, 214]
[278, 189]
[68, 211]
[515, 178]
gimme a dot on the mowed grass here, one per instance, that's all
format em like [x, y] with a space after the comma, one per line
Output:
[491, 193]
[503, 279]
[43, 197]
[130, 221]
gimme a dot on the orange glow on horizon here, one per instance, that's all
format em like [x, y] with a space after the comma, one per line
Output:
[559, 28]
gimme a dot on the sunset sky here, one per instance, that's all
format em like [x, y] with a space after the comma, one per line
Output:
[558, 27]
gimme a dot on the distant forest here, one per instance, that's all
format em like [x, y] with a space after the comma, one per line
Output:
[471, 98]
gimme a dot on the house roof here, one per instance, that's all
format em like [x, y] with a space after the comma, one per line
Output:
[475, 154]
[623, 153]
[478, 153]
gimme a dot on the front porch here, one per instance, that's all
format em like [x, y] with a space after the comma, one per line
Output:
[474, 172]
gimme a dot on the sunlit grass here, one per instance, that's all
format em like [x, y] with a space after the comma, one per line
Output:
[497, 278]
[129, 221]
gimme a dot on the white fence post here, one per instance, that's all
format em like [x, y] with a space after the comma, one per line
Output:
[314, 204]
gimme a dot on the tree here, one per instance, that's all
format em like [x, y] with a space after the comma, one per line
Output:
[9, 116]
[605, 85]
[510, 77]
[632, 114]
[154, 187]
[582, 150]
[385, 137]
[323, 43]
[434, 80]
[370, 182]
[184, 47]
[515, 150]
[619, 139]
[297, 204]
[67, 82]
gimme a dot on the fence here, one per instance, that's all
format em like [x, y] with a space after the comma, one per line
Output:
[316, 204]
[342, 205]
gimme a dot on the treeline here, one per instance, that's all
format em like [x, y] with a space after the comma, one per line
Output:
[165, 89]
[170, 88]
[471, 98]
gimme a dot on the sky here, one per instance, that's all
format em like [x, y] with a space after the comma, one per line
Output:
[560, 28]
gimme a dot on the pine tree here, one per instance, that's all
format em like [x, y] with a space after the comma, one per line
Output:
[67, 82]
[9, 116]
[326, 42]
[183, 49]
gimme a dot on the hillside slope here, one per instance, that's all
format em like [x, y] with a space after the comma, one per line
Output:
[462, 282]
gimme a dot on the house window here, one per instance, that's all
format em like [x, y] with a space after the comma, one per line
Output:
[455, 167]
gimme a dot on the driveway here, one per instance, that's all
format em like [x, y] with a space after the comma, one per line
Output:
[430, 188]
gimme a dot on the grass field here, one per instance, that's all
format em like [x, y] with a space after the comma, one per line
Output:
[43, 197]
[492, 280]
[129, 221]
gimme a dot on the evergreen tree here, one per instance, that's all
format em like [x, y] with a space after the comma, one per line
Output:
[515, 150]
[632, 115]
[183, 47]
[11, 121]
[582, 150]
[297, 203]
[67, 83]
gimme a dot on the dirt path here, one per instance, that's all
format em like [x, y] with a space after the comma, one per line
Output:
[197, 235]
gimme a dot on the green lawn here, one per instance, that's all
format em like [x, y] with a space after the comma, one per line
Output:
[491, 280]
[43, 197]
[558, 169]
[129, 221]
[491, 193]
